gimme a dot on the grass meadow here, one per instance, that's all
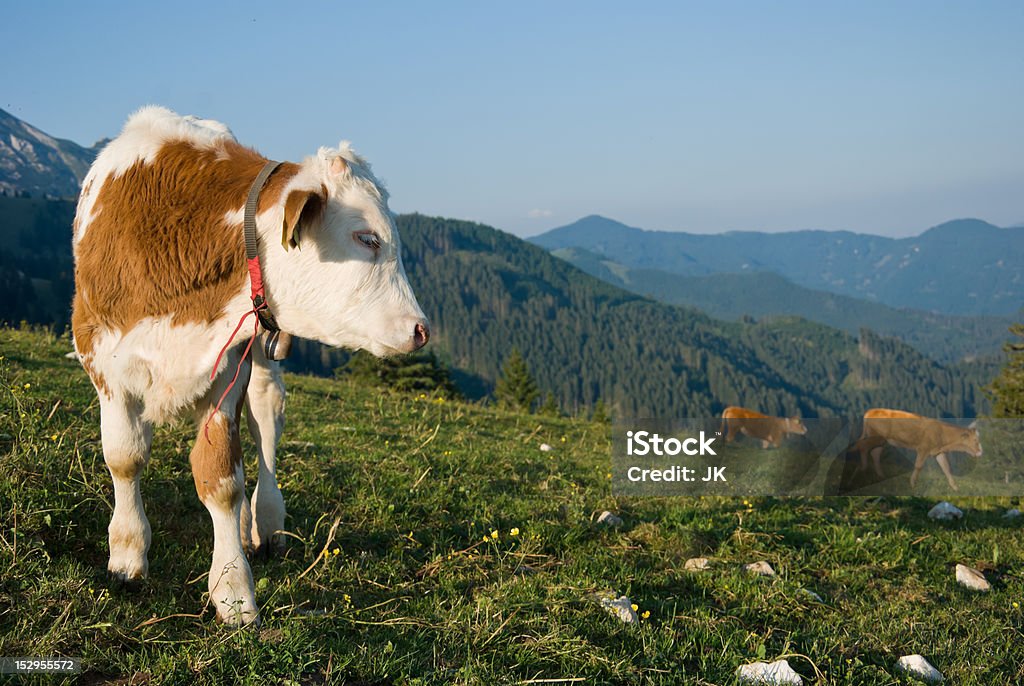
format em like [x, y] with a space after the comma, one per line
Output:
[463, 554]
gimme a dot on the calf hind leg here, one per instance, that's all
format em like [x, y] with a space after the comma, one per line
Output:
[265, 413]
[876, 459]
[126, 441]
[918, 466]
[219, 477]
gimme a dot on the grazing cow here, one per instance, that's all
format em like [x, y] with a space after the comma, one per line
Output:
[162, 277]
[929, 437]
[768, 430]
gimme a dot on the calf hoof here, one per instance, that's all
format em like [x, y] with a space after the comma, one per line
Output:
[236, 609]
[232, 594]
[268, 519]
[126, 583]
[128, 572]
[238, 616]
[266, 551]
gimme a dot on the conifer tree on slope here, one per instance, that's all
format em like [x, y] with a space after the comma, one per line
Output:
[516, 388]
[1007, 390]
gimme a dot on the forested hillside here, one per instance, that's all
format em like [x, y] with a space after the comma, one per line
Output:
[36, 268]
[488, 292]
[944, 337]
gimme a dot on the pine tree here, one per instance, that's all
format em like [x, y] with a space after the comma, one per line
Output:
[1007, 391]
[549, 407]
[516, 387]
[419, 371]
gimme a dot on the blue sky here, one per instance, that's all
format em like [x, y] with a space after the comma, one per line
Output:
[879, 117]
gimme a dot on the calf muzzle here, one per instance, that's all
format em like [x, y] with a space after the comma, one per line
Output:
[420, 335]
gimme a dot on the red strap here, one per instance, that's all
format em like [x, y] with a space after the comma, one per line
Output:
[238, 369]
[255, 277]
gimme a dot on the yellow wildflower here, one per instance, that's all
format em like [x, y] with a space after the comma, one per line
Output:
[514, 531]
[494, 534]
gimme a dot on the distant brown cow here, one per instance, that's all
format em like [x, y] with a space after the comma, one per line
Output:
[768, 430]
[929, 437]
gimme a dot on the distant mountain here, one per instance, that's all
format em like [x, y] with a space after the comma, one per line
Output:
[946, 338]
[36, 163]
[965, 266]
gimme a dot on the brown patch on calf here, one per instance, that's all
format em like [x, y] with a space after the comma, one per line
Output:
[96, 377]
[757, 425]
[908, 430]
[216, 456]
[301, 205]
[158, 244]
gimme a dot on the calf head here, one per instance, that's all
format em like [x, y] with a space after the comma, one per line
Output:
[795, 426]
[970, 440]
[334, 272]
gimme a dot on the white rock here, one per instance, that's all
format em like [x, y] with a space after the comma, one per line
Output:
[945, 511]
[762, 568]
[972, 578]
[621, 607]
[545, 448]
[778, 672]
[697, 564]
[1012, 513]
[917, 666]
[810, 594]
[609, 519]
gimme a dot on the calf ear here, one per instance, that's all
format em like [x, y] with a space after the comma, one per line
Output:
[301, 207]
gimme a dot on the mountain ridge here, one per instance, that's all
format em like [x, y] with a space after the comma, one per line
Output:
[34, 162]
[925, 272]
[733, 296]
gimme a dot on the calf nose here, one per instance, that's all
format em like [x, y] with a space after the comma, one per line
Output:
[420, 335]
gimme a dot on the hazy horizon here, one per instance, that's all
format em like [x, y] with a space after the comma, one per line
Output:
[911, 234]
[873, 118]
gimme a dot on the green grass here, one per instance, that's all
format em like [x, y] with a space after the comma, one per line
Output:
[410, 593]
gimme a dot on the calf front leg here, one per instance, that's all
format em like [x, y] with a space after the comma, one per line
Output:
[126, 441]
[220, 483]
[944, 464]
[265, 413]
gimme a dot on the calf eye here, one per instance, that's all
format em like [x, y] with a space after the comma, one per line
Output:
[367, 238]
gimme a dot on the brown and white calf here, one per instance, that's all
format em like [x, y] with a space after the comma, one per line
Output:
[771, 431]
[160, 283]
[928, 437]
